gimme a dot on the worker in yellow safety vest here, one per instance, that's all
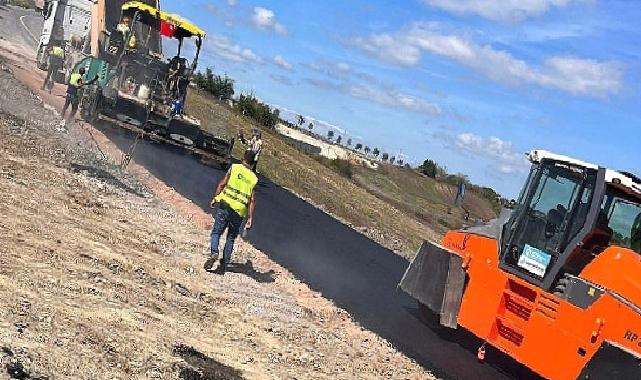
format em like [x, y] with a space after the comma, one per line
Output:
[124, 28]
[73, 98]
[234, 200]
[56, 62]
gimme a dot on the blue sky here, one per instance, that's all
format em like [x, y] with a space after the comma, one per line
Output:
[472, 84]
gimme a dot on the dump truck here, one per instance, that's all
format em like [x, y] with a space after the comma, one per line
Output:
[555, 283]
[68, 22]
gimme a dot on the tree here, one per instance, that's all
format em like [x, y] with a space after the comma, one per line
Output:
[250, 107]
[310, 126]
[429, 168]
[277, 113]
[400, 162]
[222, 87]
[359, 146]
[349, 142]
[385, 157]
[407, 166]
[330, 135]
[376, 152]
[301, 120]
[433, 170]
[339, 139]
[392, 160]
[367, 150]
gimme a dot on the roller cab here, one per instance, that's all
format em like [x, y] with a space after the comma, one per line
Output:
[556, 282]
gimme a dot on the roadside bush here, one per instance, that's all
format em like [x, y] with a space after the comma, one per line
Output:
[249, 106]
[30, 4]
[222, 87]
[342, 167]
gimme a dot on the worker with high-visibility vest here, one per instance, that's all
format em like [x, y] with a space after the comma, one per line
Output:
[56, 62]
[73, 98]
[234, 200]
[127, 36]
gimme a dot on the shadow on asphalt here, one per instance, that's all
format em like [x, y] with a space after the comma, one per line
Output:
[357, 274]
[470, 342]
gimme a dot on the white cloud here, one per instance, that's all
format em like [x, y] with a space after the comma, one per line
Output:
[282, 63]
[502, 153]
[394, 99]
[342, 78]
[291, 115]
[265, 19]
[343, 66]
[501, 10]
[282, 79]
[222, 47]
[385, 97]
[227, 18]
[389, 49]
[336, 70]
[575, 75]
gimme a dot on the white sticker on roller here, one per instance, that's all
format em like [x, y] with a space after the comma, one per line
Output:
[534, 260]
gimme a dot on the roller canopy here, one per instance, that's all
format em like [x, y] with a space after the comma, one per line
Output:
[170, 25]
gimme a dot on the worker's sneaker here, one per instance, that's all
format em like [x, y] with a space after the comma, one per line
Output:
[210, 263]
[222, 268]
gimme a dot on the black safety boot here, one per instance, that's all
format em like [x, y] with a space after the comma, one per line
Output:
[222, 268]
[209, 263]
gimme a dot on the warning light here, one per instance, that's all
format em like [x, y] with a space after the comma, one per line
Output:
[167, 29]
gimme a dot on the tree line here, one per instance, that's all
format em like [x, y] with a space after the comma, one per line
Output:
[222, 88]
[432, 169]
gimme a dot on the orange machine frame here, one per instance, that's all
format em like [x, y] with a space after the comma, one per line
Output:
[540, 330]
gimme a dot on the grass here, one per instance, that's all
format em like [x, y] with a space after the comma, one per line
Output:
[99, 282]
[342, 167]
[29, 4]
[396, 207]
[427, 199]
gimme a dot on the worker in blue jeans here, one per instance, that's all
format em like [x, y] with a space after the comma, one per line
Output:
[234, 200]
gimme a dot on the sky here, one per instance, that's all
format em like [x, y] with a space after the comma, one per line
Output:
[471, 84]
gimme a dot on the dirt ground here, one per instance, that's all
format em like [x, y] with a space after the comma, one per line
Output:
[100, 278]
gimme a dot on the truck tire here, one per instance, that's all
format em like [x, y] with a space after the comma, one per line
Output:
[41, 59]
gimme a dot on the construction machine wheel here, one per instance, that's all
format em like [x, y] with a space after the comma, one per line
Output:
[41, 59]
[221, 164]
[433, 321]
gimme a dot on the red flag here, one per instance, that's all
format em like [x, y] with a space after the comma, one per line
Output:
[167, 29]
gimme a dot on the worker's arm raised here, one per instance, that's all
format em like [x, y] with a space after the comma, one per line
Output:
[252, 208]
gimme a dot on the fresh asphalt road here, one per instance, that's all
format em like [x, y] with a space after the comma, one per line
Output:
[357, 274]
